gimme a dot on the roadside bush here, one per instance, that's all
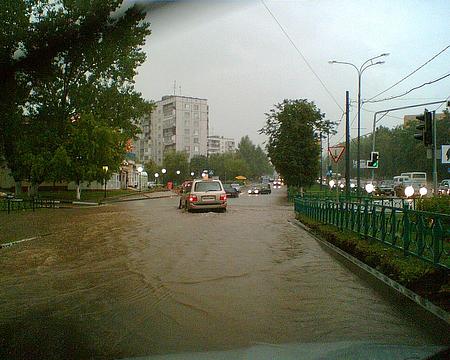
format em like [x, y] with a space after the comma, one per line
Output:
[424, 279]
[439, 204]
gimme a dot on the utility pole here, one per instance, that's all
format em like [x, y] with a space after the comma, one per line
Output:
[321, 161]
[347, 144]
[435, 181]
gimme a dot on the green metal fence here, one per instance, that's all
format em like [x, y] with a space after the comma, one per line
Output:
[14, 204]
[422, 234]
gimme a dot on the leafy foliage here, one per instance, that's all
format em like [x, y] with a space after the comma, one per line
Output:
[198, 163]
[255, 159]
[174, 161]
[293, 127]
[73, 78]
[399, 151]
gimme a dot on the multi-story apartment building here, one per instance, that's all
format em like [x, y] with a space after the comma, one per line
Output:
[219, 145]
[179, 123]
[142, 147]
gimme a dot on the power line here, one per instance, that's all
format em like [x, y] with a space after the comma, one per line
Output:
[445, 102]
[413, 72]
[410, 90]
[302, 56]
[372, 112]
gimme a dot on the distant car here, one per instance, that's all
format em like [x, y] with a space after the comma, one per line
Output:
[265, 189]
[206, 194]
[151, 184]
[231, 191]
[277, 184]
[385, 187]
[237, 187]
[444, 187]
[254, 190]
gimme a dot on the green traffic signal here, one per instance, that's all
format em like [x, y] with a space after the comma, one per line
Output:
[373, 162]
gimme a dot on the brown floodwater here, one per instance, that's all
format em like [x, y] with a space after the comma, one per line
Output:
[142, 277]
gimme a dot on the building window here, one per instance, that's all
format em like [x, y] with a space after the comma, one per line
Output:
[196, 123]
[196, 107]
[187, 131]
[187, 122]
[195, 131]
[195, 140]
[187, 148]
[186, 106]
[196, 149]
[196, 115]
[187, 114]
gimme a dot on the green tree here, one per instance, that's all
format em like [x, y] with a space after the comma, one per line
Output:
[293, 145]
[174, 161]
[78, 59]
[151, 168]
[255, 158]
[228, 165]
[198, 163]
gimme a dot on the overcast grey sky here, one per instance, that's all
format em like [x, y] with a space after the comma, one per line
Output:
[235, 55]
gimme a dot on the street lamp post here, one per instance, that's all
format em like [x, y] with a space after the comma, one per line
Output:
[156, 178]
[140, 169]
[178, 175]
[163, 173]
[105, 170]
[366, 64]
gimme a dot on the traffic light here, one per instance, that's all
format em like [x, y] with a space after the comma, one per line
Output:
[373, 162]
[425, 127]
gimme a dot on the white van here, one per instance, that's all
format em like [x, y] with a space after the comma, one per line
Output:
[417, 178]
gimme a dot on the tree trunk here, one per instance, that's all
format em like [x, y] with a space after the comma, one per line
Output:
[78, 191]
[33, 189]
[18, 188]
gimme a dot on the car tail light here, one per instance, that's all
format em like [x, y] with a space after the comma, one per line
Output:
[193, 198]
[223, 197]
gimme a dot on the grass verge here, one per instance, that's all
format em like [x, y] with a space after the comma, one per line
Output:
[424, 279]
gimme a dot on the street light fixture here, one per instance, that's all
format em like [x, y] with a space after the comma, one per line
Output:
[192, 173]
[139, 170]
[156, 178]
[366, 64]
[370, 188]
[105, 170]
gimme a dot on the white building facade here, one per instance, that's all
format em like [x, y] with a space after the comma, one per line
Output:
[220, 145]
[179, 123]
[142, 147]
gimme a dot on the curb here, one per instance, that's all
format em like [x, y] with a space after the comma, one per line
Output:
[424, 303]
[141, 198]
[17, 242]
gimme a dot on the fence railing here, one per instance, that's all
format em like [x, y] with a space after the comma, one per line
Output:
[422, 234]
[14, 204]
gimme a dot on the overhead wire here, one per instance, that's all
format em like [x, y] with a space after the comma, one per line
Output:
[411, 73]
[410, 90]
[301, 55]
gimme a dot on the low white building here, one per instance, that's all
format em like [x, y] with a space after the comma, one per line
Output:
[220, 145]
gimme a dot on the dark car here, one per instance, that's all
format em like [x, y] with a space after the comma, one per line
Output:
[385, 187]
[231, 191]
[265, 189]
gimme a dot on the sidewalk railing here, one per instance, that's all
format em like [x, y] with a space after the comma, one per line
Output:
[14, 204]
[422, 234]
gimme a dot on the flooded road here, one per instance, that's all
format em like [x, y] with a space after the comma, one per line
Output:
[142, 277]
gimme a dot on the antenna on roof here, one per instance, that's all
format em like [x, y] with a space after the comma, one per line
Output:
[174, 87]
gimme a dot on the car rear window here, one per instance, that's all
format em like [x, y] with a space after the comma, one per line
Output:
[207, 186]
